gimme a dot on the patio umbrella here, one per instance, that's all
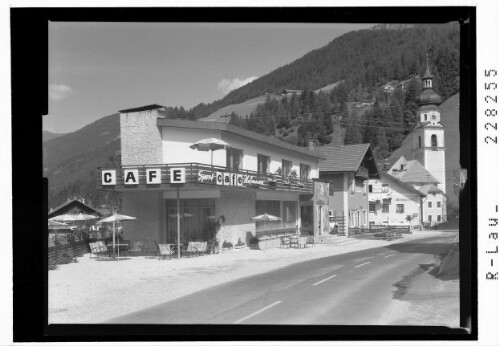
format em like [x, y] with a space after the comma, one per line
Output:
[209, 144]
[266, 217]
[115, 218]
[65, 218]
[84, 217]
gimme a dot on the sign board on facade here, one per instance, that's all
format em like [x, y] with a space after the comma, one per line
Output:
[153, 176]
[321, 193]
[177, 175]
[108, 177]
[131, 176]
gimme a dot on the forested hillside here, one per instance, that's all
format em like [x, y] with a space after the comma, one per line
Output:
[366, 60]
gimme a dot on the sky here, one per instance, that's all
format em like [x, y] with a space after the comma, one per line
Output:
[96, 69]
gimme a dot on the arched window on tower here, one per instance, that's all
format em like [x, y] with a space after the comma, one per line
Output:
[434, 144]
[428, 83]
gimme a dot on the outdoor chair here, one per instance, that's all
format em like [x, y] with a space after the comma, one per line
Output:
[97, 248]
[150, 247]
[137, 248]
[195, 247]
[166, 250]
[284, 242]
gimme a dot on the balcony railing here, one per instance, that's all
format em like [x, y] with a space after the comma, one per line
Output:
[202, 175]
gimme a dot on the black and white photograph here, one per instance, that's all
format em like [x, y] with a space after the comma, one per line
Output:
[267, 173]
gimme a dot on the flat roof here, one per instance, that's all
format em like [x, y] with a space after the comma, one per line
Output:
[141, 109]
[205, 125]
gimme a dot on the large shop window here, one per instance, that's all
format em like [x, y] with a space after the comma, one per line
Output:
[286, 168]
[269, 207]
[272, 208]
[304, 171]
[234, 159]
[263, 164]
[197, 218]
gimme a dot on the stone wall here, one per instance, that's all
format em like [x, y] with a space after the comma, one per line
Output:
[147, 207]
[140, 138]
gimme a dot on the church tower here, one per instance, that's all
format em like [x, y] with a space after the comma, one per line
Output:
[429, 143]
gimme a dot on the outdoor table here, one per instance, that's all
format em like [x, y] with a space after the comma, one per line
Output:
[110, 248]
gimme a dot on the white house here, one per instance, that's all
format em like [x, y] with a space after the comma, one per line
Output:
[392, 201]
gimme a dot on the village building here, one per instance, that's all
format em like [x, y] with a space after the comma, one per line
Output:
[348, 168]
[252, 175]
[425, 168]
[74, 206]
[393, 202]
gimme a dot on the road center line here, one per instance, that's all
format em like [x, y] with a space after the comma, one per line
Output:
[324, 280]
[389, 255]
[257, 312]
[363, 264]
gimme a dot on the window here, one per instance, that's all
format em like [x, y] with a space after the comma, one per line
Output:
[384, 188]
[400, 208]
[263, 163]
[429, 204]
[439, 218]
[429, 218]
[425, 117]
[434, 143]
[286, 168]
[304, 171]
[439, 204]
[419, 139]
[364, 217]
[352, 186]
[386, 208]
[234, 159]
[370, 188]
[372, 207]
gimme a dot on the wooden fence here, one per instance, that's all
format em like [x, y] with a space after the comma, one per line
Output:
[66, 253]
[379, 232]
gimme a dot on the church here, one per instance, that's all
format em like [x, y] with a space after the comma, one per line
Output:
[423, 175]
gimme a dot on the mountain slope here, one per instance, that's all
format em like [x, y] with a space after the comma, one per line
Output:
[369, 57]
[47, 135]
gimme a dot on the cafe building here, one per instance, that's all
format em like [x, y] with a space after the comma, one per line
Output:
[251, 175]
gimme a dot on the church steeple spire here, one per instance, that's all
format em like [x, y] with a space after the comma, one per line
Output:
[428, 77]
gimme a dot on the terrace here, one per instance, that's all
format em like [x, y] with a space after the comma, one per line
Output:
[199, 175]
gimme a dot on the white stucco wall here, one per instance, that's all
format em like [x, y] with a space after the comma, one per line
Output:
[399, 195]
[435, 164]
[434, 211]
[176, 142]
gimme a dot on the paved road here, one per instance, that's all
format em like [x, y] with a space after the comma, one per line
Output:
[353, 288]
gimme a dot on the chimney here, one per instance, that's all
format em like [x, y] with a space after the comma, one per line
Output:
[311, 145]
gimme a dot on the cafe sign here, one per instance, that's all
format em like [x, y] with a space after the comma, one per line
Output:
[230, 179]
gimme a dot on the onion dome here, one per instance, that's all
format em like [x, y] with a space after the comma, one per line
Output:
[428, 97]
